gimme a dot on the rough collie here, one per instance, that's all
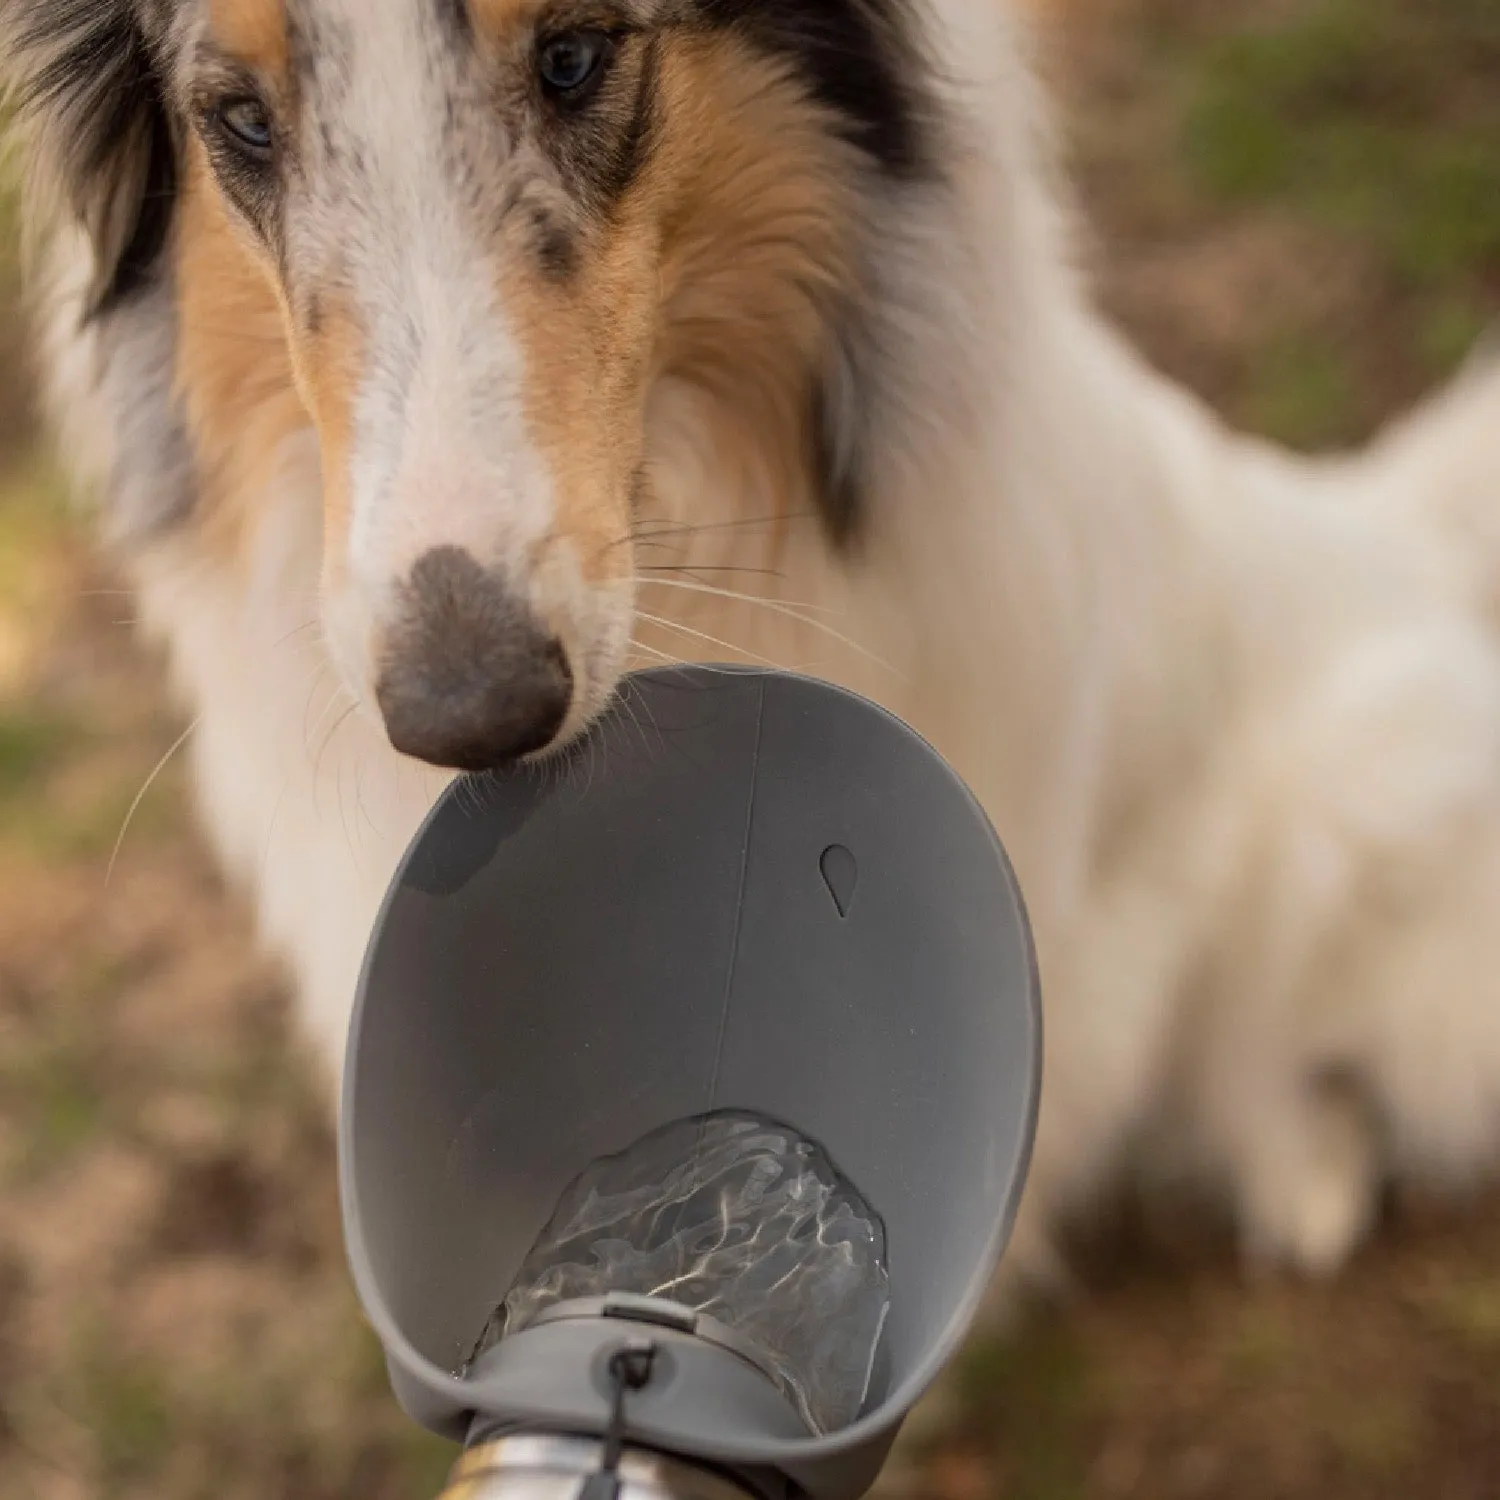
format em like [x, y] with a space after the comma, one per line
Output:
[437, 360]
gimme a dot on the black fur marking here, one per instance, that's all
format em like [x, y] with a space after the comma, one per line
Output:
[640, 491]
[836, 464]
[858, 60]
[456, 19]
[138, 262]
[84, 75]
[635, 147]
[251, 183]
[555, 245]
[602, 148]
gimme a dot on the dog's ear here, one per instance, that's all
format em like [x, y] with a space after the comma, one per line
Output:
[84, 81]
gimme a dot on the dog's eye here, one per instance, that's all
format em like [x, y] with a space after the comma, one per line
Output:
[247, 123]
[571, 63]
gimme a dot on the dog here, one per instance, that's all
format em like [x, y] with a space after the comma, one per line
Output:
[438, 361]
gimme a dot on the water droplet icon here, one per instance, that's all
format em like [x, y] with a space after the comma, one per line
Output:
[840, 875]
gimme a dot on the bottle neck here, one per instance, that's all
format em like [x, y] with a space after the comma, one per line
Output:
[547, 1466]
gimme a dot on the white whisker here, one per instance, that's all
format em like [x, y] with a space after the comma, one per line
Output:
[703, 635]
[777, 607]
[697, 586]
[665, 657]
[295, 632]
[140, 796]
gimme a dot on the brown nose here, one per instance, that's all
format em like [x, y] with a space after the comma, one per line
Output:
[469, 679]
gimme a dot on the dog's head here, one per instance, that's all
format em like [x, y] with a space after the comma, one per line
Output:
[465, 239]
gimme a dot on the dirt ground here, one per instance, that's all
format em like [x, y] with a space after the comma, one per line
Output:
[1297, 210]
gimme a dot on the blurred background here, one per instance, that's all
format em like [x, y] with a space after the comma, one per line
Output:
[1296, 207]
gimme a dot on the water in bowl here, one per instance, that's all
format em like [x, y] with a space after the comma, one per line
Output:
[738, 1218]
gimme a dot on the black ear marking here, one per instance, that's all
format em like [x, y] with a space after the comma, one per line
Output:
[85, 80]
[865, 63]
[860, 59]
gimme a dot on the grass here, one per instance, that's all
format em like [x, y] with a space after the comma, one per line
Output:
[1375, 121]
[1365, 131]
[128, 1405]
[1301, 389]
[1352, 114]
[31, 743]
[1037, 1400]
[59, 1076]
[1468, 1309]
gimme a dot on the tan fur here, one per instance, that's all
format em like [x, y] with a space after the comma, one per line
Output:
[598, 323]
[253, 31]
[499, 19]
[761, 231]
[327, 363]
[252, 375]
[712, 271]
[233, 365]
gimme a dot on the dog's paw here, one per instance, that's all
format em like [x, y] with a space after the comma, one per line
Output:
[1310, 1199]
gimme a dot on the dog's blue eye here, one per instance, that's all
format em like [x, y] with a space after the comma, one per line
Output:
[248, 122]
[572, 60]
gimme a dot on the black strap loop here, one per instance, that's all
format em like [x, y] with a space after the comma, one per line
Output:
[630, 1368]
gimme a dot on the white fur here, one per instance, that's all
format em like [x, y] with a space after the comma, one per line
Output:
[1236, 716]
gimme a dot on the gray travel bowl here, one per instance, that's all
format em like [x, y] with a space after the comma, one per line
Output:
[742, 890]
